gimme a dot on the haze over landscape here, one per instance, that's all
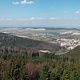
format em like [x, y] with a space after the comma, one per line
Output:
[40, 13]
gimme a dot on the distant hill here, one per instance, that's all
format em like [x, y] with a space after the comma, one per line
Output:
[74, 53]
[7, 40]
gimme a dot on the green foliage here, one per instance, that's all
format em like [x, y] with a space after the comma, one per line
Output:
[14, 70]
[75, 53]
[49, 56]
[45, 74]
[50, 67]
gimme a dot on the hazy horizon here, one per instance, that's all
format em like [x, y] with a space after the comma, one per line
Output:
[24, 26]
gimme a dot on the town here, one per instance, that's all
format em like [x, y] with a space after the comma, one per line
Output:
[69, 43]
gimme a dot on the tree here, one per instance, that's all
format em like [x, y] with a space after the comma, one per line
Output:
[32, 71]
[14, 70]
[45, 73]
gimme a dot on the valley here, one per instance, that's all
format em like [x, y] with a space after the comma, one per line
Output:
[65, 37]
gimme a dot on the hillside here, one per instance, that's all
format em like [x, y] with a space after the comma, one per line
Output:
[7, 40]
[74, 53]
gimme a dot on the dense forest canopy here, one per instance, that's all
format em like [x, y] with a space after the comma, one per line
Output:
[22, 66]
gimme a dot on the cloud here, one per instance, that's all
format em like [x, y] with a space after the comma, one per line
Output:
[23, 2]
[22, 19]
[32, 18]
[3, 19]
[8, 19]
[77, 12]
[71, 18]
[37, 18]
[40, 18]
[15, 2]
[55, 18]
[27, 2]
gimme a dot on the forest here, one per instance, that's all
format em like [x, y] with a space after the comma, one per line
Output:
[26, 66]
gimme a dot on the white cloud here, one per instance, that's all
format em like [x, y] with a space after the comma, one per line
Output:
[23, 2]
[15, 2]
[37, 18]
[27, 2]
[3, 19]
[32, 18]
[22, 19]
[55, 18]
[77, 12]
[8, 19]
[40, 18]
[72, 18]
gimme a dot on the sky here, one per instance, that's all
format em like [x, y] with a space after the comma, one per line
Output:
[40, 13]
